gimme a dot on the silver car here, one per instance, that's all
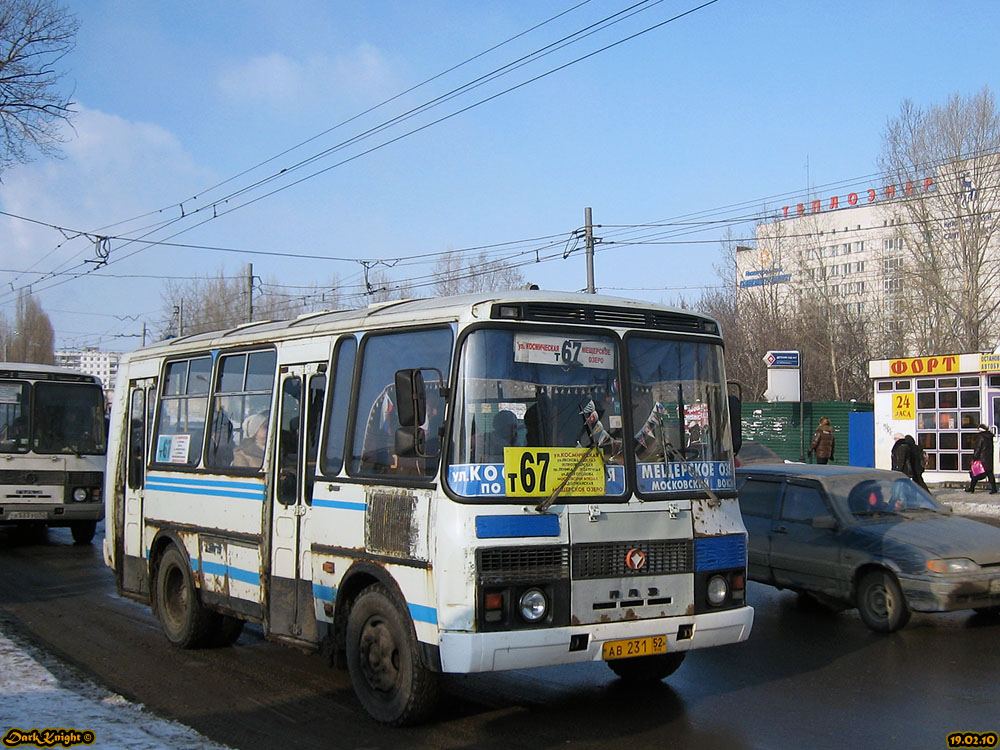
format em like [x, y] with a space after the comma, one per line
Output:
[866, 538]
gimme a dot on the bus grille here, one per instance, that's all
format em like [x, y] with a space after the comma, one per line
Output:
[522, 564]
[602, 560]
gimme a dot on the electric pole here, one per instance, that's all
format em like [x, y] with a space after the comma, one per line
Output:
[589, 233]
[249, 307]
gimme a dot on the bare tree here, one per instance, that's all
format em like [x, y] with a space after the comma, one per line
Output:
[456, 275]
[31, 339]
[949, 235]
[217, 302]
[34, 37]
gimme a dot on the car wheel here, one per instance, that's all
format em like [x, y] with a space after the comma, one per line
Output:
[881, 602]
[383, 658]
[184, 621]
[647, 668]
[83, 531]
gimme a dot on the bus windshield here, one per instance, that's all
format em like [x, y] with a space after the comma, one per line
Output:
[521, 390]
[68, 418]
[680, 415]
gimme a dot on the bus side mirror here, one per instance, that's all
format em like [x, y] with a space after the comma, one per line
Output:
[411, 398]
[411, 405]
[736, 422]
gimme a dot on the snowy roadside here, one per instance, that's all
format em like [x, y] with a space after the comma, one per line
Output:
[32, 698]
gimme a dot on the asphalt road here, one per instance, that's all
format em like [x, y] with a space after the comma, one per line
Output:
[806, 678]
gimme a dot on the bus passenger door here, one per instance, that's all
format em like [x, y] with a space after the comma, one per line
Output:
[130, 553]
[290, 601]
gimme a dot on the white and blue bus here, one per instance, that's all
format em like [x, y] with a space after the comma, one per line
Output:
[431, 486]
[52, 446]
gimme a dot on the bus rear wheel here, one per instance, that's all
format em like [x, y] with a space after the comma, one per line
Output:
[647, 668]
[83, 531]
[383, 658]
[185, 623]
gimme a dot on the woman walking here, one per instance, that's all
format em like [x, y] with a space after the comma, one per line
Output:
[983, 451]
[823, 442]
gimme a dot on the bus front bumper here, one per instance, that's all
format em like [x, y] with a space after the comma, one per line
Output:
[520, 649]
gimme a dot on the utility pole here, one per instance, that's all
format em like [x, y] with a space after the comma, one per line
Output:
[180, 318]
[249, 308]
[589, 230]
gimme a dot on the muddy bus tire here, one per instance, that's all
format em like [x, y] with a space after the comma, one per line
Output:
[647, 668]
[383, 659]
[83, 531]
[227, 631]
[185, 623]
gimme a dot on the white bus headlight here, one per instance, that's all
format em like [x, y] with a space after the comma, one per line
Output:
[80, 494]
[533, 604]
[718, 589]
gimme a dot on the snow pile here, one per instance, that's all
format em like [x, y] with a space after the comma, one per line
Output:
[34, 699]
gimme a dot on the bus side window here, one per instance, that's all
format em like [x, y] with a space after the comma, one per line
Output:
[375, 419]
[180, 430]
[137, 439]
[240, 410]
[339, 406]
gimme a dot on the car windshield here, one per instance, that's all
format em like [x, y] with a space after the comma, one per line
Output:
[880, 496]
[533, 407]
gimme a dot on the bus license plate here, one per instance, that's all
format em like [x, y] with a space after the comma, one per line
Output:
[26, 515]
[654, 644]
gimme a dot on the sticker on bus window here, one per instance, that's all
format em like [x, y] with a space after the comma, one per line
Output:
[541, 349]
[10, 394]
[538, 472]
[173, 449]
[692, 476]
[489, 480]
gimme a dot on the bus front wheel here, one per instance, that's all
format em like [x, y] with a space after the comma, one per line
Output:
[184, 621]
[647, 668]
[387, 672]
[83, 531]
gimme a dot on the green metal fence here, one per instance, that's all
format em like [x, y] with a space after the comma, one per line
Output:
[779, 427]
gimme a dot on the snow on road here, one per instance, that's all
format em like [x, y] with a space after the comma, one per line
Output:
[32, 698]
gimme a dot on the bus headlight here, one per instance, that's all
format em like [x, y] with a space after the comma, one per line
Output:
[533, 605]
[718, 589]
[80, 494]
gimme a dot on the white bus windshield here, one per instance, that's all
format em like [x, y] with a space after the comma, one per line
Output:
[68, 419]
[531, 404]
[680, 418]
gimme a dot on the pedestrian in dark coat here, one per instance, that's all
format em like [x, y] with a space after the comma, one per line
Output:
[901, 455]
[983, 451]
[916, 455]
[823, 442]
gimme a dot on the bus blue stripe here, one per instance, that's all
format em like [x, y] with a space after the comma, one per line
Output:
[324, 593]
[422, 613]
[207, 482]
[218, 569]
[259, 496]
[342, 504]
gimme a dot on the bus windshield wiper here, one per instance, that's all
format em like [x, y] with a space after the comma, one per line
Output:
[597, 435]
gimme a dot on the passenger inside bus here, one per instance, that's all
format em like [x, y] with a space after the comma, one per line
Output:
[250, 452]
[502, 434]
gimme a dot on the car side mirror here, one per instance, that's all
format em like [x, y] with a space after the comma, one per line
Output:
[824, 522]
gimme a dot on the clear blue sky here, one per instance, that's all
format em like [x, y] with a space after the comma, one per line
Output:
[736, 106]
